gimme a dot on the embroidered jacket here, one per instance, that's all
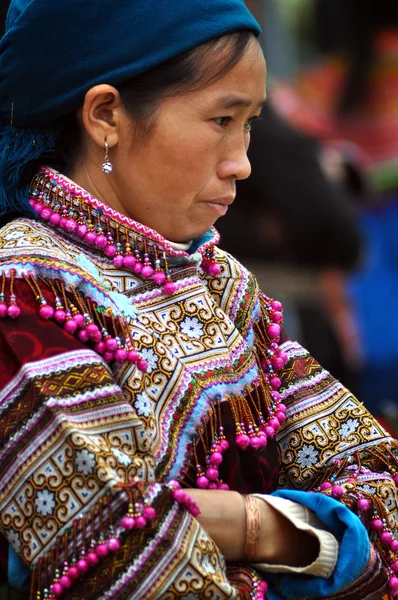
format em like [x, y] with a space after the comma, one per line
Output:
[93, 435]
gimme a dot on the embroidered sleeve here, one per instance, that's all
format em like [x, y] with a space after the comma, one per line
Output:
[329, 443]
[77, 501]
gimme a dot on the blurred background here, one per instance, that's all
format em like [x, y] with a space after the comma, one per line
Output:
[317, 221]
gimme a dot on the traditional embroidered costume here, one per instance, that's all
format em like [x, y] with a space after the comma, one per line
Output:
[120, 386]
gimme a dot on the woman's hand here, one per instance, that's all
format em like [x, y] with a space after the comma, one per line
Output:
[223, 516]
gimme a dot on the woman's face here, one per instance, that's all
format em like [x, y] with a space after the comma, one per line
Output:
[180, 178]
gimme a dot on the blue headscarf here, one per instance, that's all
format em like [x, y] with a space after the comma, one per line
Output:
[53, 51]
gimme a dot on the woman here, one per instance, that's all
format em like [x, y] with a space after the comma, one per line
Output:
[160, 434]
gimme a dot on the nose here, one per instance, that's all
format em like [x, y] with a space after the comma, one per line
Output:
[236, 165]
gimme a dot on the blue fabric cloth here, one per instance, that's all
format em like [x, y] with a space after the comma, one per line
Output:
[53, 52]
[18, 573]
[354, 551]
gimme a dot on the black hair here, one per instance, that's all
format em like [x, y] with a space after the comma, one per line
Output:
[350, 27]
[142, 95]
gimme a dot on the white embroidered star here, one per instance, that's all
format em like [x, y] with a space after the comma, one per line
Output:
[192, 327]
[307, 456]
[85, 461]
[14, 539]
[348, 427]
[149, 355]
[367, 488]
[45, 502]
[143, 405]
[122, 457]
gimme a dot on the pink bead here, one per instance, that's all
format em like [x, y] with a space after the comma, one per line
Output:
[276, 305]
[113, 544]
[82, 565]
[179, 495]
[224, 445]
[81, 230]
[147, 272]
[396, 479]
[111, 344]
[216, 458]
[133, 356]
[100, 241]
[13, 311]
[202, 482]
[394, 566]
[142, 365]
[159, 278]
[110, 250]
[212, 473]
[274, 423]
[363, 504]
[326, 485]
[214, 269]
[223, 486]
[83, 335]
[212, 486]
[70, 225]
[376, 524]
[92, 329]
[39, 207]
[102, 550]
[393, 583]
[169, 287]
[79, 320]
[277, 316]
[56, 589]
[394, 546]
[108, 356]
[282, 407]
[255, 442]
[60, 315]
[194, 510]
[46, 312]
[280, 416]
[283, 356]
[55, 219]
[120, 354]
[73, 572]
[62, 222]
[128, 522]
[275, 382]
[269, 431]
[263, 439]
[129, 261]
[140, 522]
[277, 363]
[66, 582]
[276, 397]
[46, 213]
[337, 492]
[149, 513]
[137, 267]
[386, 538]
[3, 309]
[118, 260]
[92, 558]
[274, 331]
[242, 440]
[90, 237]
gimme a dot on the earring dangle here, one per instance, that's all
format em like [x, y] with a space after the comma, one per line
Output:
[107, 165]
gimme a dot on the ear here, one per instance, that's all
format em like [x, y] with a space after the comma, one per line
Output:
[103, 114]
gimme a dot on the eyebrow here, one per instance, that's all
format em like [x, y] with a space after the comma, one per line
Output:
[233, 101]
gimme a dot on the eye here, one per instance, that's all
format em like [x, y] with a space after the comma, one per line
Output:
[249, 123]
[223, 121]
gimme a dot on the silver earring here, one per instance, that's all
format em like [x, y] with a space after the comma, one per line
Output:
[107, 166]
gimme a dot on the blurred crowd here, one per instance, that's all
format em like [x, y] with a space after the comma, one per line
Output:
[320, 210]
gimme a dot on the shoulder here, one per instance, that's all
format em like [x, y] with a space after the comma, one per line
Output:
[29, 237]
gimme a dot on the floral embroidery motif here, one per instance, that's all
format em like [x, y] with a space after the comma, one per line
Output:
[348, 427]
[192, 327]
[14, 539]
[45, 502]
[143, 405]
[122, 457]
[149, 355]
[85, 462]
[307, 456]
